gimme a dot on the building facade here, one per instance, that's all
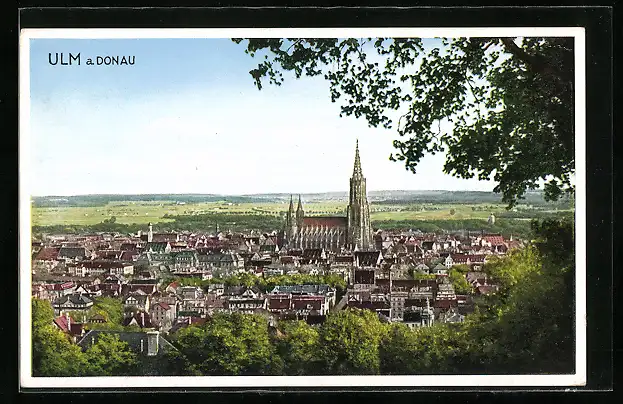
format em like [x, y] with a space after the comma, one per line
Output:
[333, 233]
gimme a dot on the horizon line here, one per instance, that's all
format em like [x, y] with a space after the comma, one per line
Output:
[271, 193]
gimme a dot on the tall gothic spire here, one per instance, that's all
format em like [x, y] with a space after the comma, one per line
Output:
[291, 209]
[357, 167]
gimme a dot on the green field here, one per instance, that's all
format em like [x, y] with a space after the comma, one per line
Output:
[144, 212]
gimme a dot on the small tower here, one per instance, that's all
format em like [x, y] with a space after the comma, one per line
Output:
[491, 219]
[150, 233]
[290, 226]
[300, 214]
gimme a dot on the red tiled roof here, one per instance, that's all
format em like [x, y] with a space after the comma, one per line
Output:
[278, 303]
[163, 305]
[445, 304]
[302, 302]
[494, 240]
[325, 221]
[47, 254]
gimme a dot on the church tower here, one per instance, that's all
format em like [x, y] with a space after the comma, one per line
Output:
[300, 214]
[358, 212]
[290, 226]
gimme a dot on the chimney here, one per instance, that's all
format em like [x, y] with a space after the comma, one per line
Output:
[68, 317]
[142, 345]
[152, 343]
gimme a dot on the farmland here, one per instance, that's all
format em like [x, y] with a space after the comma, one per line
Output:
[265, 214]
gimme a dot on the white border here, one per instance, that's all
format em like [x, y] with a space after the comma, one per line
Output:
[27, 381]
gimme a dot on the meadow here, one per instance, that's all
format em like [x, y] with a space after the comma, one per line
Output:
[143, 212]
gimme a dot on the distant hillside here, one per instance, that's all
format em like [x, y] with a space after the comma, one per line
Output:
[385, 197]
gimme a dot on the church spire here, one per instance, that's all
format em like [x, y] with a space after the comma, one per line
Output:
[299, 213]
[357, 167]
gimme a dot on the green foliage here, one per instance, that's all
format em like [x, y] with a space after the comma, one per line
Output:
[508, 103]
[233, 344]
[299, 349]
[459, 282]
[110, 356]
[53, 354]
[517, 227]
[349, 342]
[425, 350]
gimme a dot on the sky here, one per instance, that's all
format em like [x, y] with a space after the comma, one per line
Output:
[187, 118]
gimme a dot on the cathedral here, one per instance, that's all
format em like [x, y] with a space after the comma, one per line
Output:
[333, 233]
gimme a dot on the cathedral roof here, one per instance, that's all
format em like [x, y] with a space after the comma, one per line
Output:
[322, 221]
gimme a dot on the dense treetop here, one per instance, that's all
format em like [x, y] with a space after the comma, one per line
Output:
[501, 108]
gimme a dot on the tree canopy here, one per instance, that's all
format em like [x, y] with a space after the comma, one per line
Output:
[501, 108]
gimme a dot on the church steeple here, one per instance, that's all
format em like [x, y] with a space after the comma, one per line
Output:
[299, 213]
[358, 211]
[357, 167]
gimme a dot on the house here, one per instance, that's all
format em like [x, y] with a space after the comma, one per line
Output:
[380, 307]
[445, 290]
[149, 286]
[217, 289]
[73, 302]
[108, 254]
[139, 319]
[368, 259]
[46, 259]
[90, 291]
[57, 289]
[419, 317]
[137, 302]
[440, 270]
[111, 285]
[100, 267]
[185, 260]
[363, 279]
[305, 305]
[279, 303]
[162, 315]
[72, 253]
[245, 305]
[73, 329]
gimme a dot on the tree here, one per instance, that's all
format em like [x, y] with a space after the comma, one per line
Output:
[426, 350]
[459, 282]
[452, 212]
[53, 354]
[349, 342]
[299, 349]
[501, 108]
[230, 344]
[530, 321]
[110, 356]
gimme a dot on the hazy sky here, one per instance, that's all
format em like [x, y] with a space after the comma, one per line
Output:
[186, 118]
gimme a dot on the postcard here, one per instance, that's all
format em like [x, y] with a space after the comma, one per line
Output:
[272, 208]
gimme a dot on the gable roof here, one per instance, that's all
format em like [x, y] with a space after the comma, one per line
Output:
[47, 254]
[74, 299]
